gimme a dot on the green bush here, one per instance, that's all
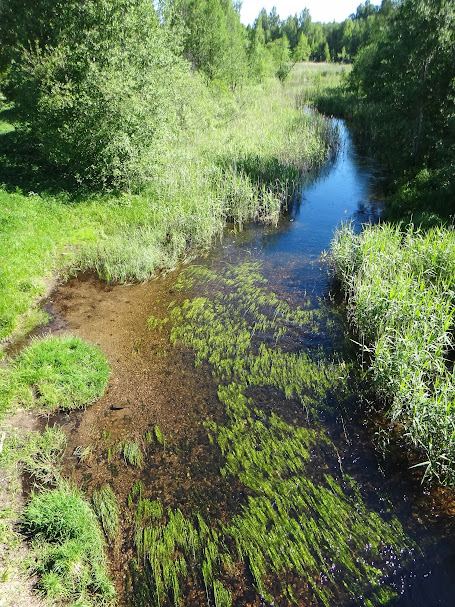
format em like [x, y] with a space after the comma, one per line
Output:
[100, 88]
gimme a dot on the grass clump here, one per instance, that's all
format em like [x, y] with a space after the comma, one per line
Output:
[54, 373]
[106, 507]
[399, 285]
[37, 453]
[39, 456]
[68, 547]
[132, 453]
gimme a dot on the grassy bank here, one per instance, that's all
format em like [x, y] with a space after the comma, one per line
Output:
[65, 548]
[399, 286]
[239, 161]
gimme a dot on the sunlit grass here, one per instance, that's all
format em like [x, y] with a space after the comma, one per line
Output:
[240, 163]
[69, 556]
[54, 373]
[400, 288]
[65, 544]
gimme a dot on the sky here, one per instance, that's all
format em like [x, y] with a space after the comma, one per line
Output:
[320, 10]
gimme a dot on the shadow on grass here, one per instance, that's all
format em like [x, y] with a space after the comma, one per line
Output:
[259, 169]
[24, 168]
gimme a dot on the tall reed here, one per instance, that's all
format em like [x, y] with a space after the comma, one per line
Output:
[400, 289]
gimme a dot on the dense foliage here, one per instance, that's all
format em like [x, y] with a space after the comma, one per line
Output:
[399, 287]
[405, 82]
[102, 88]
[324, 41]
[96, 84]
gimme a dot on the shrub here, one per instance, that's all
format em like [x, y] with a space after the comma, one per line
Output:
[100, 88]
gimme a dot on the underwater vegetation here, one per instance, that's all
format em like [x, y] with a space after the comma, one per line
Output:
[303, 533]
[106, 507]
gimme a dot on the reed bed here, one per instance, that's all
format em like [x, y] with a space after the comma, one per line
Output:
[400, 288]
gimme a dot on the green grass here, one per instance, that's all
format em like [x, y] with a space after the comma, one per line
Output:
[65, 542]
[322, 81]
[239, 161]
[132, 453]
[400, 289]
[179, 549]
[54, 373]
[37, 453]
[106, 507]
[68, 545]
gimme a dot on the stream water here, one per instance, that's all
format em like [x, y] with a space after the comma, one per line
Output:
[273, 442]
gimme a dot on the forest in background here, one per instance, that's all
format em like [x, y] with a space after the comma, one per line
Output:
[400, 95]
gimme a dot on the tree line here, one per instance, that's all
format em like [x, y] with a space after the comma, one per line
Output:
[403, 82]
[309, 41]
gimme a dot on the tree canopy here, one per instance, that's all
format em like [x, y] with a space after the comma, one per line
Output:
[101, 85]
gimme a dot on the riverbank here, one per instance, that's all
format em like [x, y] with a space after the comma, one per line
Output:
[397, 278]
[399, 287]
[239, 164]
[242, 163]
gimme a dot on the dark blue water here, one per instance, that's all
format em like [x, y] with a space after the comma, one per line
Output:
[349, 189]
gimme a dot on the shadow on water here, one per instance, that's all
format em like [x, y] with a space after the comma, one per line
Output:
[239, 460]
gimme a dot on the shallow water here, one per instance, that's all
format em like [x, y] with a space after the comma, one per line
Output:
[156, 384]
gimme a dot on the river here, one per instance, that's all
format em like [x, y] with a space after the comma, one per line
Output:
[269, 457]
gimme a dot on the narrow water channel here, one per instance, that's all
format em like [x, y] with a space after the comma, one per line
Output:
[262, 483]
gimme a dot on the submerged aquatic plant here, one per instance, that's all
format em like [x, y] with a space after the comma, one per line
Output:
[177, 549]
[106, 507]
[132, 453]
[318, 529]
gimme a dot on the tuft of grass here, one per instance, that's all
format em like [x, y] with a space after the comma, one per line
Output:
[400, 289]
[132, 453]
[106, 507]
[54, 373]
[37, 453]
[68, 546]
